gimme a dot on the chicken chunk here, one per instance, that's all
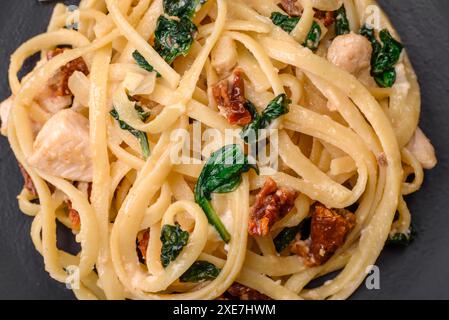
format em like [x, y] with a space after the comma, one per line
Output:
[224, 55]
[53, 103]
[350, 52]
[421, 147]
[62, 147]
[5, 108]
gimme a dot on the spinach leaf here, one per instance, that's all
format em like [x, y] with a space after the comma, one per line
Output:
[143, 115]
[140, 135]
[200, 271]
[368, 32]
[341, 21]
[251, 109]
[141, 62]
[386, 79]
[385, 56]
[174, 37]
[285, 22]
[389, 55]
[402, 239]
[173, 239]
[289, 23]
[285, 237]
[182, 8]
[221, 174]
[276, 108]
[313, 38]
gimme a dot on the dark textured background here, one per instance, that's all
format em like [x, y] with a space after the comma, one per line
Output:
[418, 272]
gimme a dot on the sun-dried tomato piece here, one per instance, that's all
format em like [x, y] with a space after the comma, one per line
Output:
[292, 7]
[272, 203]
[143, 237]
[74, 216]
[327, 17]
[59, 83]
[329, 228]
[231, 100]
[238, 291]
[27, 182]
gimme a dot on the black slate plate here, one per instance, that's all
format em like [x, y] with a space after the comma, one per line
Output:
[417, 272]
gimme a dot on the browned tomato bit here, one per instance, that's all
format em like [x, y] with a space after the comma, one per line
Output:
[231, 100]
[272, 203]
[329, 229]
[143, 237]
[60, 81]
[27, 182]
[327, 17]
[292, 7]
[238, 291]
[74, 216]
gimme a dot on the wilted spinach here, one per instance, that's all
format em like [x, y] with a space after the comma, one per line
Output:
[182, 8]
[285, 22]
[289, 23]
[140, 135]
[222, 173]
[143, 115]
[200, 271]
[385, 56]
[287, 235]
[402, 239]
[173, 239]
[341, 21]
[174, 37]
[143, 63]
[276, 108]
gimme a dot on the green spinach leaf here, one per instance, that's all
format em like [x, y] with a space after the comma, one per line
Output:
[284, 22]
[285, 237]
[402, 239]
[200, 271]
[182, 8]
[140, 135]
[289, 23]
[221, 174]
[276, 108]
[385, 56]
[313, 38]
[341, 22]
[174, 37]
[143, 115]
[141, 62]
[173, 239]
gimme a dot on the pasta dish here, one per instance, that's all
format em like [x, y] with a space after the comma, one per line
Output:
[217, 149]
